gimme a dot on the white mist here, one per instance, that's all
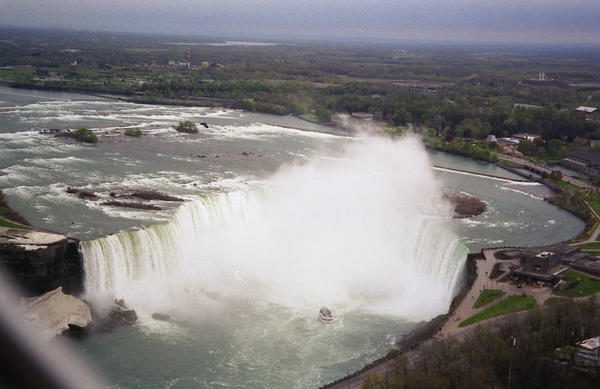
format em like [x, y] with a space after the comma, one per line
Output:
[360, 231]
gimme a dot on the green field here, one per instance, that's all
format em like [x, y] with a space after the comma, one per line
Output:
[594, 201]
[7, 223]
[595, 253]
[590, 246]
[565, 185]
[487, 296]
[586, 285]
[496, 272]
[511, 304]
[555, 300]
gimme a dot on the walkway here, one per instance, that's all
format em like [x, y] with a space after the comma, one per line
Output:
[465, 309]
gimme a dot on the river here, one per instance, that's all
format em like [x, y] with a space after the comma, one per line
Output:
[277, 222]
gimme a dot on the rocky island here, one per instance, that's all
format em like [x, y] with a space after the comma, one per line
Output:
[465, 205]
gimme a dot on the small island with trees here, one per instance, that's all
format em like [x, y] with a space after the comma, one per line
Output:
[187, 126]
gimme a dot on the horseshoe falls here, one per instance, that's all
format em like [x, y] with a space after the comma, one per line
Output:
[364, 231]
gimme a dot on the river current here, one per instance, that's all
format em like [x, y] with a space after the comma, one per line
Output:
[277, 222]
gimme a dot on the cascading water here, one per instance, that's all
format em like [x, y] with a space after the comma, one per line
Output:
[363, 230]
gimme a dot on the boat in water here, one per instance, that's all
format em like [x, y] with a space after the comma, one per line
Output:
[325, 315]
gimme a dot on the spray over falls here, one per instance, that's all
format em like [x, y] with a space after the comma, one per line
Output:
[362, 230]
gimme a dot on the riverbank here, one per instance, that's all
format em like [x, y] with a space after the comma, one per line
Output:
[128, 146]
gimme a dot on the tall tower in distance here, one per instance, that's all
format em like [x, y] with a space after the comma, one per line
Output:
[189, 54]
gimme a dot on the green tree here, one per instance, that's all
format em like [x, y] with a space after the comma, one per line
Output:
[86, 135]
[187, 126]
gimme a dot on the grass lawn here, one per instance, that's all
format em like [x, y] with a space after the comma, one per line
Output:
[594, 253]
[509, 162]
[496, 271]
[590, 246]
[7, 223]
[565, 185]
[500, 255]
[555, 300]
[310, 117]
[594, 201]
[511, 304]
[586, 285]
[487, 296]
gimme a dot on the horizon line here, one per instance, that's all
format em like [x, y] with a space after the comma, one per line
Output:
[252, 37]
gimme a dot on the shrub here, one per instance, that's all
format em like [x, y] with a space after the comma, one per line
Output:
[85, 135]
[133, 132]
[187, 126]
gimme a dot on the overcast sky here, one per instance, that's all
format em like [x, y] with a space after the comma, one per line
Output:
[547, 21]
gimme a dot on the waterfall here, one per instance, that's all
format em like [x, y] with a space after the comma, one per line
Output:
[113, 262]
[369, 230]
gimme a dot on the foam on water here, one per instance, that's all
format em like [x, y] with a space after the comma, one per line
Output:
[262, 131]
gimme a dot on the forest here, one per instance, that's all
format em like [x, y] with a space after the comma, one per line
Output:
[534, 349]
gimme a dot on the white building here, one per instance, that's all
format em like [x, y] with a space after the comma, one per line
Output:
[588, 352]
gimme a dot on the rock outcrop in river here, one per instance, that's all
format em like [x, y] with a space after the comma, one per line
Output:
[464, 205]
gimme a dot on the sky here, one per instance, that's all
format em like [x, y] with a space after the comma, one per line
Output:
[541, 21]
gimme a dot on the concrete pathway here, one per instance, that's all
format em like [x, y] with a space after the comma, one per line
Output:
[465, 309]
